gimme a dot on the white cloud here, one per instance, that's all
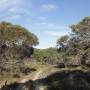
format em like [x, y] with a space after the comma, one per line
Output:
[52, 29]
[5, 4]
[49, 25]
[39, 24]
[3, 1]
[13, 9]
[18, 10]
[49, 7]
[57, 33]
[42, 18]
[13, 17]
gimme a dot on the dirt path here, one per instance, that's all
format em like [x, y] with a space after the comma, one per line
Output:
[34, 76]
[37, 74]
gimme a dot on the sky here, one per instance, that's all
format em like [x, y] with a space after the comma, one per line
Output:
[48, 19]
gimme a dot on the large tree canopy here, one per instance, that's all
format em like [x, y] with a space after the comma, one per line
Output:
[80, 35]
[16, 35]
[82, 32]
[78, 45]
[62, 40]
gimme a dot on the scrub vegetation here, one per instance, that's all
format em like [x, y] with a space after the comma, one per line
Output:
[69, 60]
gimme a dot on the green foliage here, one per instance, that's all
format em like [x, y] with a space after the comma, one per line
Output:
[16, 42]
[16, 35]
[49, 55]
[62, 40]
[74, 50]
[83, 25]
[77, 45]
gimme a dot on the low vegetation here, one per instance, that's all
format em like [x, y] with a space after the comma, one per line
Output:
[47, 56]
[18, 57]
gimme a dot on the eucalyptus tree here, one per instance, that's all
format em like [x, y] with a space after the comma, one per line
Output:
[78, 44]
[82, 38]
[62, 42]
[16, 37]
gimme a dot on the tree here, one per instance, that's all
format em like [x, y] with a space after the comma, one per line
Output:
[82, 38]
[78, 43]
[62, 41]
[16, 37]
[82, 32]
